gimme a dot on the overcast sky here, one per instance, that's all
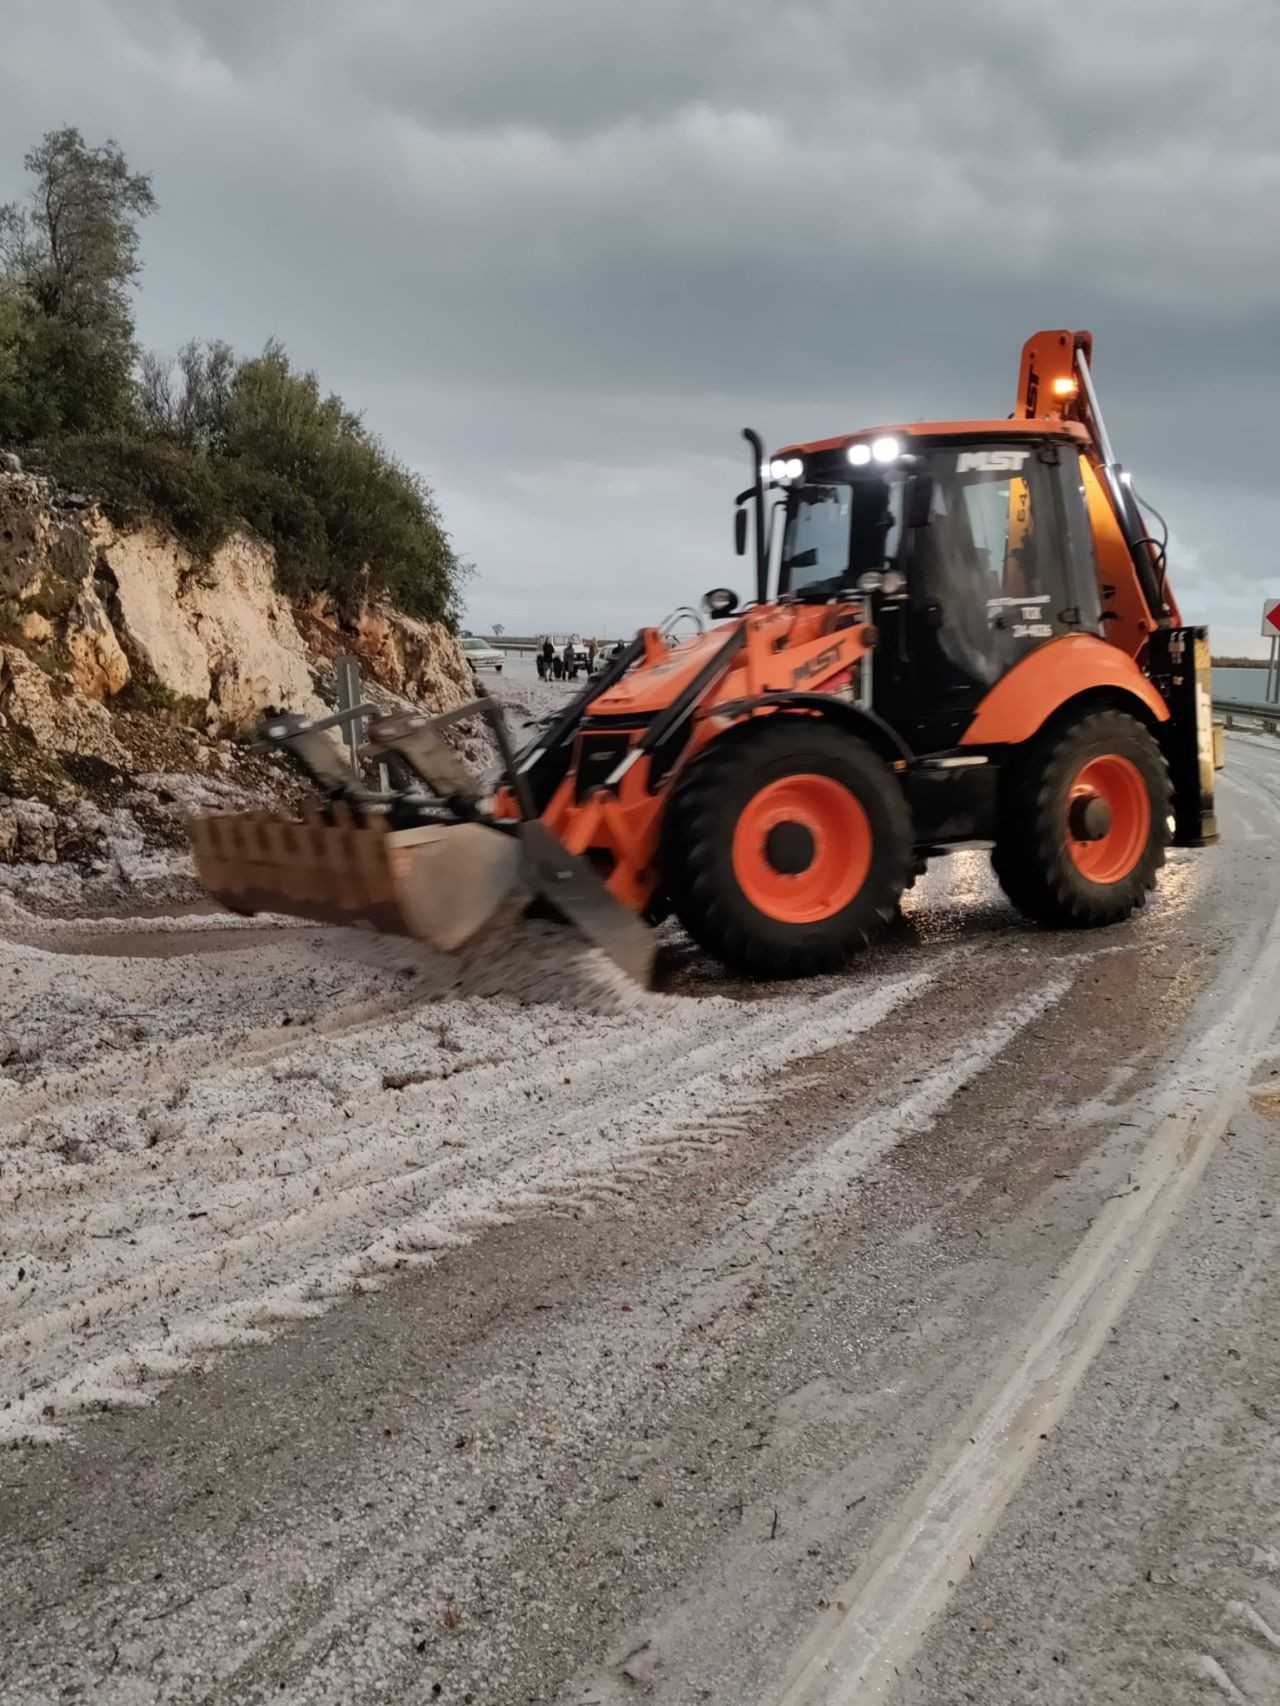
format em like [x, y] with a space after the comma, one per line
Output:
[560, 251]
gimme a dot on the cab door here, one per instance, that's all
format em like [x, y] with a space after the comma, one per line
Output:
[1004, 564]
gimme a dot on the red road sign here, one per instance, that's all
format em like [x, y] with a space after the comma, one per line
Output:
[1271, 619]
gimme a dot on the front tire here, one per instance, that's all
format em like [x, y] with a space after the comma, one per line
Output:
[786, 847]
[1084, 822]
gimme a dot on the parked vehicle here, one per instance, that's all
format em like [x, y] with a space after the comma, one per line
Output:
[480, 654]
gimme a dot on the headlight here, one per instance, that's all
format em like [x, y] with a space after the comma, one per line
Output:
[885, 449]
[720, 601]
[777, 469]
[795, 468]
[859, 455]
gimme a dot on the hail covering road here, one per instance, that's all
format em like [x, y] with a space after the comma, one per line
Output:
[374, 1329]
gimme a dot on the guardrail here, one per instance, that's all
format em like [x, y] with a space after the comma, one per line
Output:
[502, 644]
[1242, 713]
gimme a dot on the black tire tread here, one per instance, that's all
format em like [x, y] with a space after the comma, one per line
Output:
[1031, 860]
[719, 918]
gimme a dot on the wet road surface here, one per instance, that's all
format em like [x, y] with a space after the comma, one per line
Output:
[933, 1361]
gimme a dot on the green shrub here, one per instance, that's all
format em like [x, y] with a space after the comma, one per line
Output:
[149, 693]
[357, 519]
[282, 514]
[138, 479]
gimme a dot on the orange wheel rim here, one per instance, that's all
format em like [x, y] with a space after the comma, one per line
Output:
[1117, 783]
[802, 849]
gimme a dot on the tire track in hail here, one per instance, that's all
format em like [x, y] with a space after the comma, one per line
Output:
[321, 1616]
[858, 1653]
[176, 1063]
[650, 1114]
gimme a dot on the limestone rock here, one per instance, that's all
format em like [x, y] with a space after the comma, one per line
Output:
[148, 570]
[421, 660]
[246, 630]
[218, 633]
[95, 657]
[25, 529]
[39, 541]
[36, 832]
[53, 713]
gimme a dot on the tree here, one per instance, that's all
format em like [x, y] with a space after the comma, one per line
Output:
[74, 245]
[187, 399]
[68, 260]
[499, 629]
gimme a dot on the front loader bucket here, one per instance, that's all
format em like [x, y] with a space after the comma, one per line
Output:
[440, 883]
[442, 873]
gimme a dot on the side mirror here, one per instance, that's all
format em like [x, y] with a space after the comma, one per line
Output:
[721, 600]
[740, 532]
[917, 502]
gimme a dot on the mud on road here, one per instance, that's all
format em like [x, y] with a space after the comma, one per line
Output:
[380, 1332]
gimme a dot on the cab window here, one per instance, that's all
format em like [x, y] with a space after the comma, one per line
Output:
[1003, 565]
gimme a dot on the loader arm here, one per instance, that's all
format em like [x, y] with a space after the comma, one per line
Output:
[1055, 382]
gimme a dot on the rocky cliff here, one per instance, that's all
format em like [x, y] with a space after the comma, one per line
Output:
[129, 670]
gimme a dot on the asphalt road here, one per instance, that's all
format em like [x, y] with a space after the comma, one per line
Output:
[939, 1364]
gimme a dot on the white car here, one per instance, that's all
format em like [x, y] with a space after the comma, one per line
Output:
[480, 653]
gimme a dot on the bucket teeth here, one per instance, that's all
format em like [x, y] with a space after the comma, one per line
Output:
[440, 883]
[328, 866]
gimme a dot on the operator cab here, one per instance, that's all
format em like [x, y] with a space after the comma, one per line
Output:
[971, 549]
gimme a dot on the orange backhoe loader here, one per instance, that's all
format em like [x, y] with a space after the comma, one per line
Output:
[960, 632]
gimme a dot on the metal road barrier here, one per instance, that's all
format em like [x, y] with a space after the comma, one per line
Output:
[1243, 714]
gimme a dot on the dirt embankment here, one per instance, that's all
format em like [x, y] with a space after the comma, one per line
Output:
[130, 672]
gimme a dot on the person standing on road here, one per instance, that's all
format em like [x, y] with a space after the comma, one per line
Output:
[591, 656]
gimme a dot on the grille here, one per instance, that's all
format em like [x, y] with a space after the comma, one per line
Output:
[598, 755]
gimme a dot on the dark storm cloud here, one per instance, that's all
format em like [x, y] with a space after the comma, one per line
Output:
[559, 250]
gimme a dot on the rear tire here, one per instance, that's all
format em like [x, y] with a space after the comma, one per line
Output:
[786, 847]
[1051, 862]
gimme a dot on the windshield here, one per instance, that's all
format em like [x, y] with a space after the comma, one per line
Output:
[836, 532]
